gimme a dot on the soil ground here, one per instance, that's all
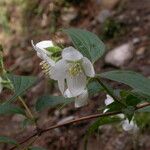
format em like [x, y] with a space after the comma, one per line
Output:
[41, 19]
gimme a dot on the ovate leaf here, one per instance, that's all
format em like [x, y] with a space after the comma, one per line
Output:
[87, 43]
[6, 109]
[132, 79]
[20, 84]
[130, 98]
[51, 101]
[94, 88]
[4, 139]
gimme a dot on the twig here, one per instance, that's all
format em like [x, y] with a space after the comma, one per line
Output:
[75, 121]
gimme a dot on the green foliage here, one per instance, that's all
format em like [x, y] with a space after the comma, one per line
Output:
[129, 112]
[115, 106]
[20, 84]
[87, 43]
[112, 28]
[51, 101]
[143, 120]
[4, 18]
[27, 122]
[130, 98]
[53, 49]
[4, 139]
[36, 148]
[6, 109]
[1, 48]
[94, 88]
[132, 79]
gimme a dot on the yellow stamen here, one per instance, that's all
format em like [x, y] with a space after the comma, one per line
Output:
[75, 68]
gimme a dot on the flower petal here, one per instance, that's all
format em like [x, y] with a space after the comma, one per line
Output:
[44, 44]
[129, 126]
[67, 94]
[88, 67]
[61, 85]
[70, 53]
[82, 99]
[108, 100]
[40, 51]
[76, 84]
[59, 71]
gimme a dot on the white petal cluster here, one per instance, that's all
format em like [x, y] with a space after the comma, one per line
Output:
[71, 71]
[74, 68]
[80, 100]
[126, 125]
[1, 85]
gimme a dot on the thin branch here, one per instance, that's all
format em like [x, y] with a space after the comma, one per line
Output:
[29, 113]
[40, 132]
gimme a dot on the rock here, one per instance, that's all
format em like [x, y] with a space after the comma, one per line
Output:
[120, 55]
[109, 4]
[140, 51]
[104, 14]
[136, 40]
[68, 14]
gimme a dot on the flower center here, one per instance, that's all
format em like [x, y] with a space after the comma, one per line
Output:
[75, 68]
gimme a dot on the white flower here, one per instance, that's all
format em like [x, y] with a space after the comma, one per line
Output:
[80, 100]
[1, 85]
[132, 126]
[45, 55]
[126, 125]
[74, 68]
[108, 100]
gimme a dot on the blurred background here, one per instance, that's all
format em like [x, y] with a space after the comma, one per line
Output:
[123, 25]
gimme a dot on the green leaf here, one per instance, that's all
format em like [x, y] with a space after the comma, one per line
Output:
[21, 84]
[131, 99]
[142, 120]
[27, 122]
[145, 109]
[87, 43]
[132, 79]
[129, 112]
[4, 139]
[142, 96]
[51, 101]
[36, 148]
[6, 109]
[94, 88]
[115, 106]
